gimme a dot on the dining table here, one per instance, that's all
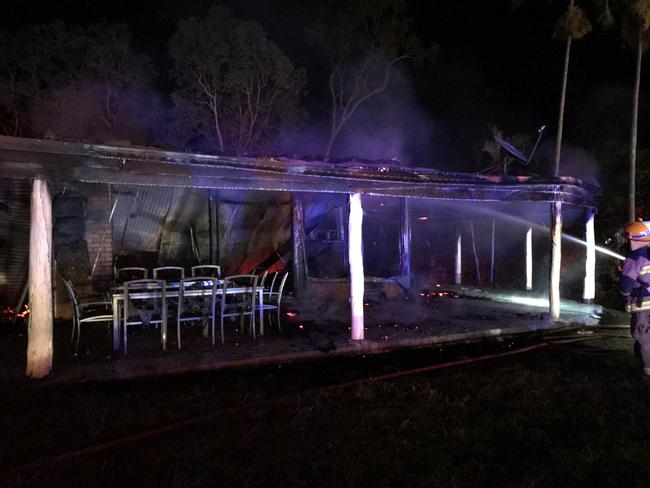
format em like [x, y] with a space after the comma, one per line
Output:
[172, 291]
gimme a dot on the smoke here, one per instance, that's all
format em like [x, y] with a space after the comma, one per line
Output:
[574, 161]
[391, 126]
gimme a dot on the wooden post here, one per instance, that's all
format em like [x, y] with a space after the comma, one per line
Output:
[478, 268]
[405, 243]
[589, 291]
[494, 224]
[556, 260]
[298, 235]
[213, 221]
[459, 257]
[39, 334]
[355, 253]
[341, 220]
[529, 258]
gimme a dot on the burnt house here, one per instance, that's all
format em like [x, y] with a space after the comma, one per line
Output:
[80, 210]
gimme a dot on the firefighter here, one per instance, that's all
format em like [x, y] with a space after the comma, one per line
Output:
[635, 286]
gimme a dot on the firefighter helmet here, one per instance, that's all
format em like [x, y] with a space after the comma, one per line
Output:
[638, 231]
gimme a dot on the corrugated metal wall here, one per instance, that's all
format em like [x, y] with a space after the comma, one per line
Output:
[158, 221]
[14, 239]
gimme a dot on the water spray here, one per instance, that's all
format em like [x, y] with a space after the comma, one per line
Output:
[545, 228]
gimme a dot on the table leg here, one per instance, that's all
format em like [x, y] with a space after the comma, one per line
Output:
[116, 325]
[260, 299]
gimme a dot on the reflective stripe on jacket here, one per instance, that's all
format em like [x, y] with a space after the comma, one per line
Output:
[635, 281]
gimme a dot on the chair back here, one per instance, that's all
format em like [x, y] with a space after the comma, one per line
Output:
[169, 273]
[247, 297]
[72, 295]
[279, 281]
[189, 301]
[277, 287]
[145, 307]
[262, 280]
[212, 270]
[130, 274]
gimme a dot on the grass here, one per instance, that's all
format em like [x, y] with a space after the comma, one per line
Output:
[570, 415]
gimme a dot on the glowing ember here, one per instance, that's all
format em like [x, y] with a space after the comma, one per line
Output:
[301, 327]
[292, 314]
[423, 219]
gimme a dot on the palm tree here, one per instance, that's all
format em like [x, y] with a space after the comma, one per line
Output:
[573, 24]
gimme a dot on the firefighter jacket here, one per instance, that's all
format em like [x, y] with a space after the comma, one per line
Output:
[635, 280]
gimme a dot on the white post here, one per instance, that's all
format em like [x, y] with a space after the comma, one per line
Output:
[39, 334]
[556, 260]
[589, 291]
[529, 258]
[459, 258]
[355, 254]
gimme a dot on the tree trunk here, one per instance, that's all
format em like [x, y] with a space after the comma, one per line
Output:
[39, 333]
[635, 123]
[560, 123]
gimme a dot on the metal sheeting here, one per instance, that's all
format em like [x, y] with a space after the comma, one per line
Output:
[14, 239]
[58, 161]
[158, 220]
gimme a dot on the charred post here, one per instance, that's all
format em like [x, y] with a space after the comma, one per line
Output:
[405, 243]
[298, 235]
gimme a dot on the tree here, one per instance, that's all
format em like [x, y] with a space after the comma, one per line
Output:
[573, 24]
[234, 86]
[105, 91]
[25, 64]
[73, 82]
[636, 32]
[364, 40]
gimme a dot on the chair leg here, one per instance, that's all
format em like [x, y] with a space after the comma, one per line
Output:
[178, 331]
[76, 347]
[124, 337]
[221, 321]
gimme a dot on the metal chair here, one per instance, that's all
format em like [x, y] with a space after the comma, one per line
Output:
[130, 274]
[195, 304]
[239, 303]
[86, 312]
[207, 270]
[148, 308]
[169, 273]
[273, 297]
[262, 279]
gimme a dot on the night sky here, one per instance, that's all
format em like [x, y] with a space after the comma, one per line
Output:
[495, 65]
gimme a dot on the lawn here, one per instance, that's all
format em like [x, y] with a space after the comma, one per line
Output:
[567, 414]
